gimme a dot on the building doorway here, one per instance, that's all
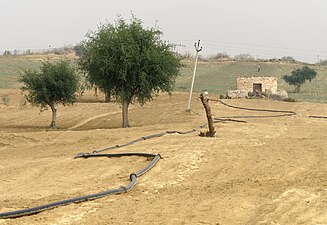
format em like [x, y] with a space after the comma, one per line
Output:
[257, 88]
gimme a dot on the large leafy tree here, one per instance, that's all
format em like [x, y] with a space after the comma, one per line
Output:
[299, 77]
[54, 83]
[129, 61]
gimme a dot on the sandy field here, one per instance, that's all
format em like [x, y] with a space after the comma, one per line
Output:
[266, 171]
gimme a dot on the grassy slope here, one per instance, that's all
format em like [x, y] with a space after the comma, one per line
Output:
[216, 77]
[12, 66]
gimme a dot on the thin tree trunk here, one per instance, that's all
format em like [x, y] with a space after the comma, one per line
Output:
[107, 97]
[211, 132]
[54, 116]
[297, 88]
[125, 105]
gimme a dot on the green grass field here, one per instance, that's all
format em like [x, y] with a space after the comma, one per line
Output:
[218, 77]
[214, 76]
[12, 66]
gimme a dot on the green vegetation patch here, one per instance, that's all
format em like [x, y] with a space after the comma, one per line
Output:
[218, 77]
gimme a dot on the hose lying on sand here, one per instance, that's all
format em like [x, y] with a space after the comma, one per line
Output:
[319, 117]
[133, 177]
[282, 113]
[95, 153]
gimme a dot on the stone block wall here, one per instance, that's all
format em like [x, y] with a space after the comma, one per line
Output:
[268, 84]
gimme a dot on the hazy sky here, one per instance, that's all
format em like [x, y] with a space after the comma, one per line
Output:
[263, 28]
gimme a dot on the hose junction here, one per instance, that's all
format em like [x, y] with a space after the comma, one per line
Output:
[154, 159]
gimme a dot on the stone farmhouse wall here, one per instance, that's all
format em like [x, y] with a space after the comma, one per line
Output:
[246, 84]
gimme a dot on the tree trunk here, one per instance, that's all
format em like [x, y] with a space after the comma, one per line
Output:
[125, 105]
[107, 97]
[297, 88]
[54, 116]
[211, 132]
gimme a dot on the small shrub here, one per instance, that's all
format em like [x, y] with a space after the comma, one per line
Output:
[275, 97]
[5, 100]
[244, 57]
[251, 94]
[289, 100]
[289, 59]
[223, 96]
[7, 53]
[220, 55]
[322, 63]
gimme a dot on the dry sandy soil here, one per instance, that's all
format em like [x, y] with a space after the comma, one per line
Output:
[265, 171]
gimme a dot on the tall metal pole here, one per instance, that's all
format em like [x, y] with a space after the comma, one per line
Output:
[197, 49]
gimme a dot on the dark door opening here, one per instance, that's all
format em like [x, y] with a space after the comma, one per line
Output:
[257, 88]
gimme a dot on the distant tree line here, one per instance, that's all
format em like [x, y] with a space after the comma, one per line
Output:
[322, 63]
[57, 51]
[222, 56]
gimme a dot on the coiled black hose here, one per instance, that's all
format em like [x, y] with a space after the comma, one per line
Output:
[133, 176]
[130, 185]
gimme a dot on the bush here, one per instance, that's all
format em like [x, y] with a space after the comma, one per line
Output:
[5, 100]
[221, 55]
[244, 57]
[289, 100]
[322, 63]
[288, 59]
[223, 96]
[7, 53]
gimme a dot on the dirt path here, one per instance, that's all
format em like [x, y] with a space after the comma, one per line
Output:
[85, 121]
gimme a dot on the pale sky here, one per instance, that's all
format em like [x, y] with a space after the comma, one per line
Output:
[263, 28]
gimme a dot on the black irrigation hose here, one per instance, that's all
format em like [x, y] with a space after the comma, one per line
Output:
[319, 117]
[133, 176]
[149, 137]
[130, 185]
[221, 119]
[95, 153]
[284, 112]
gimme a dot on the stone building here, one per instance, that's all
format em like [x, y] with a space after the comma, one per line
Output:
[257, 84]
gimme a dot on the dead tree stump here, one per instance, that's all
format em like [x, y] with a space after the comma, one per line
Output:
[211, 132]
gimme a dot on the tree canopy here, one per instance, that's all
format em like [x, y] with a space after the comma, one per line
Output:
[129, 61]
[54, 83]
[299, 77]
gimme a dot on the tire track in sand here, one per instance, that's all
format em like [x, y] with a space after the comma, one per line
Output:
[87, 120]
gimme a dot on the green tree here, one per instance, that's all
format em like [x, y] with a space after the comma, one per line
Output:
[322, 63]
[299, 77]
[289, 59]
[244, 57]
[54, 83]
[7, 53]
[129, 62]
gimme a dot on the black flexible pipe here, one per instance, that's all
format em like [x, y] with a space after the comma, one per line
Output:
[133, 176]
[319, 117]
[285, 112]
[149, 137]
[221, 119]
[252, 109]
[130, 185]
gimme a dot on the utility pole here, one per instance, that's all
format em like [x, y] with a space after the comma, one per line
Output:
[197, 49]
